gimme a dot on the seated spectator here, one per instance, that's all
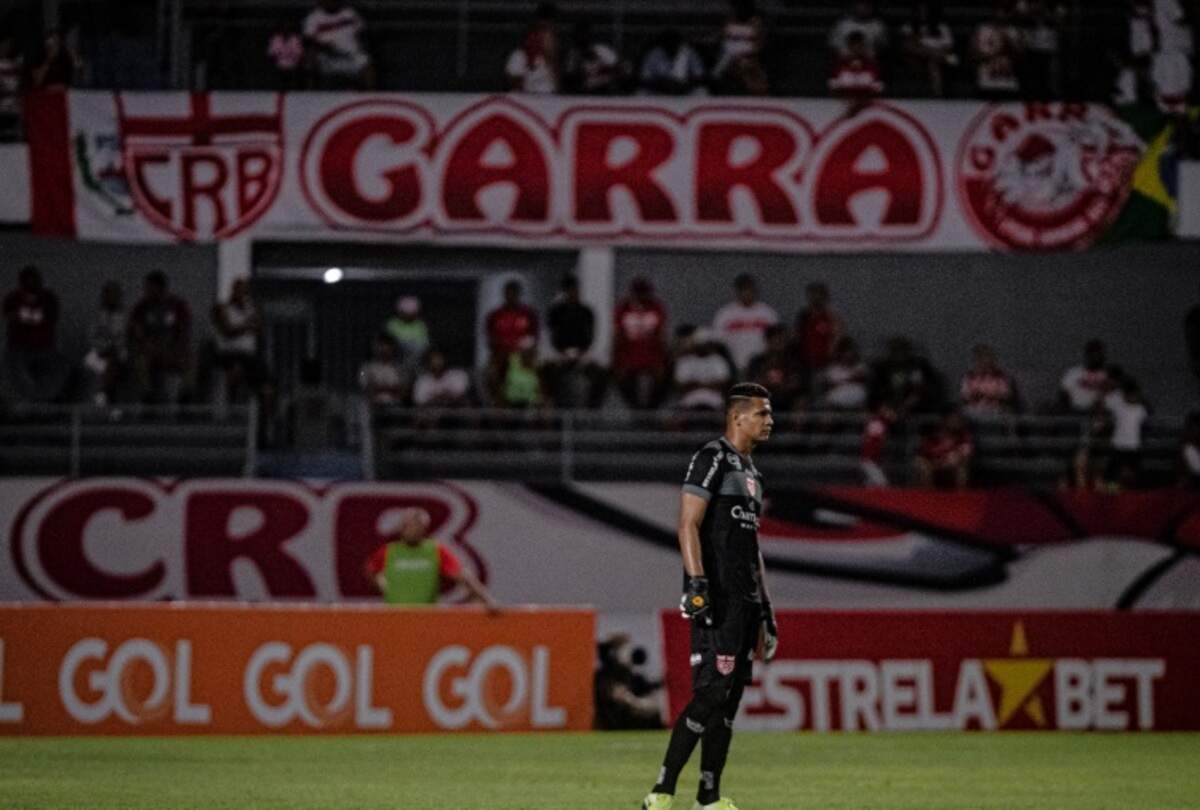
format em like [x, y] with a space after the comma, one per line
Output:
[12, 68]
[439, 386]
[36, 372]
[928, 49]
[995, 49]
[1129, 414]
[573, 378]
[844, 381]
[1082, 386]
[58, 64]
[107, 359]
[701, 374]
[1189, 452]
[944, 454]
[590, 67]
[874, 446]
[409, 330]
[285, 49]
[334, 36]
[855, 76]
[818, 329]
[520, 385]
[776, 369]
[534, 67]
[672, 68]
[160, 331]
[742, 323]
[1038, 27]
[863, 20]
[904, 381]
[415, 569]
[237, 327]
[739, 69]
[639, 350]
[986, 391]
[381, 378]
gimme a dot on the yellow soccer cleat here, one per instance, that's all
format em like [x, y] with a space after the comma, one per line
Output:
[658, 801]
[719, 804]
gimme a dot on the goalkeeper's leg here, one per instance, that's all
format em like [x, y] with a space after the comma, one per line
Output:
[702, 713]
[714, 746]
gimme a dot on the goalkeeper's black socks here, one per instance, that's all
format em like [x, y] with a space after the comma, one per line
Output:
[713, 752]
[684, 737]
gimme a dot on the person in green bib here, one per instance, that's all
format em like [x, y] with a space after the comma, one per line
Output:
[415, 569]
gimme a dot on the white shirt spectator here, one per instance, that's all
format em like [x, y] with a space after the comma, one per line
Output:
[338, 37]
[1083, 386]
[1174, 33]
[741, 328]
[685, 67]
[381, 381]
[874, 31]
[450, 387]
[995, 47]
[845, 386]
[237, 317]
[532, 75]
[1128, 418]
[710, 371]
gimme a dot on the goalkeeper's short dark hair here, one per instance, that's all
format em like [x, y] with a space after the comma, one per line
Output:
[743, 392]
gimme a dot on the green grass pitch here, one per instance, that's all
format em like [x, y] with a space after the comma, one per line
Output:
[1006, 771]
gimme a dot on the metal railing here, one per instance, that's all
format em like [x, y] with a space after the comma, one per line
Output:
[76, 440]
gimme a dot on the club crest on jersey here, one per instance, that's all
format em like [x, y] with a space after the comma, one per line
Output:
[726, 663]
[207, 171]
[734, 460]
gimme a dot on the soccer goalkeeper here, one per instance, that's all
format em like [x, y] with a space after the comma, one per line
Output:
[725, 594]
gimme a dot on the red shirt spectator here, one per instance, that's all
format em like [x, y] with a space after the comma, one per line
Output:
[944, 454]
[817, 328]
[986, 390]
[31, 312]
[510, 324]
[640, 320]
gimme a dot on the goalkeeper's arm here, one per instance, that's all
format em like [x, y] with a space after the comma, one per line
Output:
[770, 631]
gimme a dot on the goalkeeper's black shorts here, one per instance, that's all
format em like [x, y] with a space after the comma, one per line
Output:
[723, 654]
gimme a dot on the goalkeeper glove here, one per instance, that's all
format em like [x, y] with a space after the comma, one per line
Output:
[770, 633]
[695, 601]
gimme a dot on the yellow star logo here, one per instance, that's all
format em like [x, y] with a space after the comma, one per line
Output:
[1018, 679]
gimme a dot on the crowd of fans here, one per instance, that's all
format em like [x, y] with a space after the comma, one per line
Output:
[145, 354]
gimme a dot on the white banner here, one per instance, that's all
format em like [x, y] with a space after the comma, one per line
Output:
[763, 174]
[608, 545]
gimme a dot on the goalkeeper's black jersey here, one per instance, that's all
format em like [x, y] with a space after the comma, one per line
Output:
[733, 488]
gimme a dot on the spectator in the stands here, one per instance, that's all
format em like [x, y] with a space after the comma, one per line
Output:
[107, 359]
[35, 370]
[861, 19]
[777, 369]
[742, 323]
[928, 46]
[58, 65]
[160, 342]
[639, 347]
[520, 384]
[986, 391]
[591, 67]
[1091, 458]
[1189, 452]
[439, 386]
[12, 66]
[843, 382]
[1039, 25]
[335, 42]
[995, 49]
[408, 328]
[701, 373]
[285, 49]
[904, 380]
[382, 378]
[818, 328]
[944, 454]
[874, 446]
[510, 323]
[1129, 414]
[572, 377]
[672, 68]
[739, 69]
[533, 67]
[1158, 56]
[855, 76]
[1083, 385]
[1191, 337]
[237, 329]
